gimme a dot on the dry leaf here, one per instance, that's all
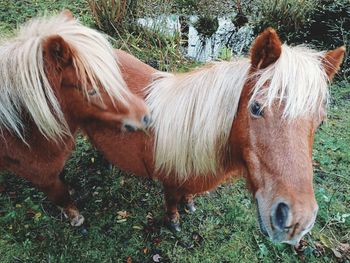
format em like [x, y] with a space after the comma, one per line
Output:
[129, 260]
[299, 248]
[319, 249]
[336, 253]
[344, 249]
[149, 216]
[122, 214]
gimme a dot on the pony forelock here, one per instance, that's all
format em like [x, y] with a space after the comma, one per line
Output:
[25, 88]
[297, 80]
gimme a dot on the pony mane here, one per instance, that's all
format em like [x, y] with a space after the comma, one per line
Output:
[24, 86]
[193, 112]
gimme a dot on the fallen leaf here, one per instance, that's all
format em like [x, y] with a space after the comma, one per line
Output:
[122, 182]
[122, 214]
[336, 253]
[301, 246]
[18, 205]
[121, 221]
[30, 213]
[137, 227]
[344, 249]
[37, 216]
[316, 163]
[129, 260]
[319, 249]
[40, 238]
[145, 250]
[198, 239]
[149, 216]
[156, 241]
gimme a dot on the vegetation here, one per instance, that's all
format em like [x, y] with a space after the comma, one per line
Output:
[124, 214]
[206, 26]
[321, 23]
[113, 14]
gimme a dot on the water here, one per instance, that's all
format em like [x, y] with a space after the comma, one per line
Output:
[225, 42]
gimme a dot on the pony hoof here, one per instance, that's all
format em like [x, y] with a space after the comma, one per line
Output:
[175, 226]
[190, 208]
[77, 221]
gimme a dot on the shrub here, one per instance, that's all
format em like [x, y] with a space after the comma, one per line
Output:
[206, 26]
[286, 16]
[324, 24]
[330, 28]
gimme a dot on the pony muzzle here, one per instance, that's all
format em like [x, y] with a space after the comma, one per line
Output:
[283, 222]
[130, 125]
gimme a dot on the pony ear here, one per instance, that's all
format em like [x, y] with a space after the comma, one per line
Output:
[68, 14]
[266, 49]
[332, 61]
[57, 51]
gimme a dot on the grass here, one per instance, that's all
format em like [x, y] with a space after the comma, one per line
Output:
[124, 214]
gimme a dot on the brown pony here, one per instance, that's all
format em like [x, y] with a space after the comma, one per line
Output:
[56, 75]
[254, 117]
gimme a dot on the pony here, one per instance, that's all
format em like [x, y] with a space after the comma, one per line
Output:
[55, 75]
[252, 117]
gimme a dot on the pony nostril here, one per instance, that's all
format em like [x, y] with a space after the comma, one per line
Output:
[145, 120]
[280, 216]
[129, 128]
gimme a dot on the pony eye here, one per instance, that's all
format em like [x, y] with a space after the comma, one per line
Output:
[92, 92]
[256, 110]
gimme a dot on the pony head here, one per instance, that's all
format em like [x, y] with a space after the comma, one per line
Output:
[59, 72]
[282, 104]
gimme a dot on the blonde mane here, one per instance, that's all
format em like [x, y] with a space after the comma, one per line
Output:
[193, 112]
[24, 86]
[193, 115]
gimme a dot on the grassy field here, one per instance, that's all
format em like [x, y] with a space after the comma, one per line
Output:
[124, 214]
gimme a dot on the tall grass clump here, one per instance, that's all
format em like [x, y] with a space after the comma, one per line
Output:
[112, 14]
[118, 18]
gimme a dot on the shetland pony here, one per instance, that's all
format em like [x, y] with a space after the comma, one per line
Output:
[254, 117]
[55, 75]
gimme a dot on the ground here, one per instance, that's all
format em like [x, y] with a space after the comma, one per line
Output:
[124, 214]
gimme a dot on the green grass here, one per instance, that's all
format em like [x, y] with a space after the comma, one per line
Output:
[223, 229]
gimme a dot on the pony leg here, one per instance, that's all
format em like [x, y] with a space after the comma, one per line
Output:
[189, 203]
[172, 217]
[58, 193]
